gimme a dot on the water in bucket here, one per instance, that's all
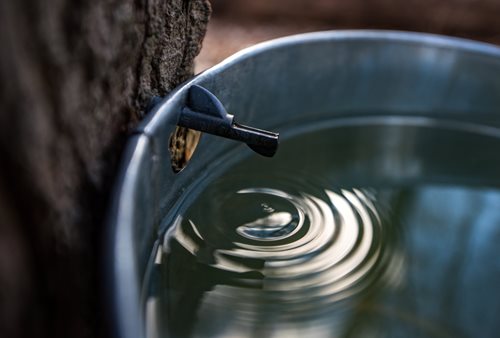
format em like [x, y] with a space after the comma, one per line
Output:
[359, 227]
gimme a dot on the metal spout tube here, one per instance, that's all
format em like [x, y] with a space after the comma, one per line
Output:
[206, 113]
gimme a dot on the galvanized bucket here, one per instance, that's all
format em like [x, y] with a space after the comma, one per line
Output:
[340, 73]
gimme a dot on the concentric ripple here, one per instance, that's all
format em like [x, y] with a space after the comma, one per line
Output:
[289, 248]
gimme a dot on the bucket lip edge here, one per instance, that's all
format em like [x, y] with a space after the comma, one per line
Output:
[429, 39]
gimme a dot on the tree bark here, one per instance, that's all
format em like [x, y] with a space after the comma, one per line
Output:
[76, 77]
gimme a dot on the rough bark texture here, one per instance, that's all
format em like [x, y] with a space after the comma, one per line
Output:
[76, 76]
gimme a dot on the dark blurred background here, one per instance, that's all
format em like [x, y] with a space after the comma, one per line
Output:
[236, 24]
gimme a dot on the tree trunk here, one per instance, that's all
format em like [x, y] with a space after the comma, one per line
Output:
[76, 77]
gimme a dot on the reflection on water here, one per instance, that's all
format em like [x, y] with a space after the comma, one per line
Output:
[285, 248]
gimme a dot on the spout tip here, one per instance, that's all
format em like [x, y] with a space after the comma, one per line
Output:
[268, 150]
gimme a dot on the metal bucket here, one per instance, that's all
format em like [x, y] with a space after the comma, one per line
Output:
[338, 73]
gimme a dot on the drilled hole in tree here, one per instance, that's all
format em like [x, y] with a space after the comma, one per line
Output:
[182, 144]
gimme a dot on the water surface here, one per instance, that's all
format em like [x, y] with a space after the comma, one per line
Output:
[357, 228]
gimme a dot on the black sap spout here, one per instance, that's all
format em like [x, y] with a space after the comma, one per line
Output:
[205, 113]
